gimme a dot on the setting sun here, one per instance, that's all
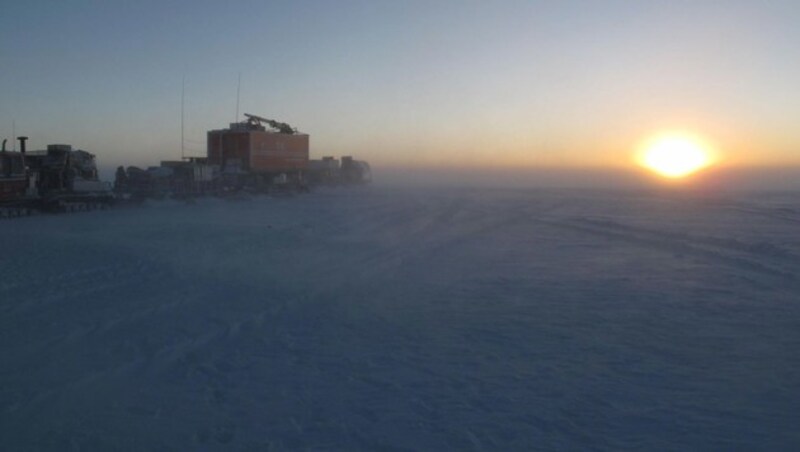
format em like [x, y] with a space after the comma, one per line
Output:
[675, 156]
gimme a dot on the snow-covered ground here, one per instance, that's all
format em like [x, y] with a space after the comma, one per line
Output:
[400, 319]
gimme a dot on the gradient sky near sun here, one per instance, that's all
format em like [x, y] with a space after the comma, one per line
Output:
[510, 83]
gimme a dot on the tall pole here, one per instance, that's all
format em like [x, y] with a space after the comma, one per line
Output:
[14, 134]
[238, 90]
[183, 98]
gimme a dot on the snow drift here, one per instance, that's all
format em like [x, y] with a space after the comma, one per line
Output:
[391, 319]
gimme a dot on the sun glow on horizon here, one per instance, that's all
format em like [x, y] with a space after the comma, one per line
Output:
[675, 155]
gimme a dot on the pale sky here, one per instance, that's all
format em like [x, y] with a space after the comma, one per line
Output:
[466, 83]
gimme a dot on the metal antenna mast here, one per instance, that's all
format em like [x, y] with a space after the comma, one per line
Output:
[183, 98]
[238, 90]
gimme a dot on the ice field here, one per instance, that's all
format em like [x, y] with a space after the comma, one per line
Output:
[406, 319]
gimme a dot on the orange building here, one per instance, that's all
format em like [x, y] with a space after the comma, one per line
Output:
[249, 146]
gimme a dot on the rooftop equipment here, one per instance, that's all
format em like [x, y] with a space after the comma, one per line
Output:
[257, 122]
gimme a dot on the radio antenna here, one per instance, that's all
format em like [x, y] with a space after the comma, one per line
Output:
[183, 99]
[238, 90]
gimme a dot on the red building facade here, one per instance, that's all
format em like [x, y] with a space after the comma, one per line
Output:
[246, 148]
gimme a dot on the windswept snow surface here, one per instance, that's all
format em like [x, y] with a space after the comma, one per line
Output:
[400, 319]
